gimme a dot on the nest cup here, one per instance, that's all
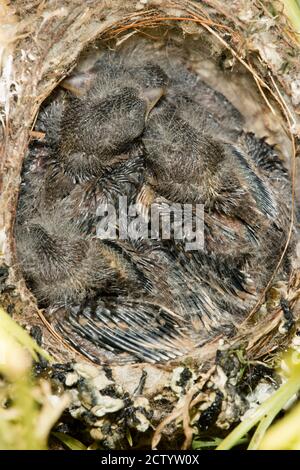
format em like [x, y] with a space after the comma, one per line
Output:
[233, 58]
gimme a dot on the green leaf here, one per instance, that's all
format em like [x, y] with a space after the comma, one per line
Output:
[8, 325]
[69, 441]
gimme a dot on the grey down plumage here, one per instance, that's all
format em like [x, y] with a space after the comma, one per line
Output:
[154, 132]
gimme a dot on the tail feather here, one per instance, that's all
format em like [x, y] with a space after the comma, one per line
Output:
[147, 331]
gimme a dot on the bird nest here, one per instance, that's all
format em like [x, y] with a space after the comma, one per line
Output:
[251, 57]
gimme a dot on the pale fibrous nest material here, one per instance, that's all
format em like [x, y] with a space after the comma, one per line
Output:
[245, 49]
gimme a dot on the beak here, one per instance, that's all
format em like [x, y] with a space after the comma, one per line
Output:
[151, 96]
[79, 83]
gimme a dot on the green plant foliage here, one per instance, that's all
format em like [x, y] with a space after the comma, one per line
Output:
[12, 329]
[70, 442]
[263, 415]
[28, 409]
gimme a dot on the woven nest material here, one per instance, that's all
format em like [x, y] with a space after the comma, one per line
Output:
[251, 57]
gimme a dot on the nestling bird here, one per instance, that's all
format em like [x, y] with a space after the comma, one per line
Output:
[246, 212]
[88, 134]
[97, 128]
[133, 280]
